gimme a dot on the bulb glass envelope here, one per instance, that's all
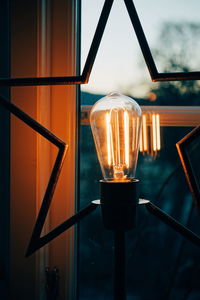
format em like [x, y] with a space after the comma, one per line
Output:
[115, 121]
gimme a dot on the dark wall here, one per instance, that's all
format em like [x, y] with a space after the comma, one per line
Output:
[4, 150]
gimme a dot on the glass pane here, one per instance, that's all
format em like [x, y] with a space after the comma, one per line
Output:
[160, 264]
[172, 29]
[158, 259]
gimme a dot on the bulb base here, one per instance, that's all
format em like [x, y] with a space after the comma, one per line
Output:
[119, 204]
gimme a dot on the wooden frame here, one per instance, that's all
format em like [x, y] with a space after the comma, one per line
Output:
[36, 241]
[189, 153]
[27, 157]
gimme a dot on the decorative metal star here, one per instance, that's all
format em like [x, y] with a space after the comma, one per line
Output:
[36, 240]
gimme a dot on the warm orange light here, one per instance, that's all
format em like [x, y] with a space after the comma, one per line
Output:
[116, 135]
[154, 132]
[117, 147]
[141, 143]
[152, 96]
[158, 132]
[144, 129]
[126, 138]
[108, 138]
[150, 142]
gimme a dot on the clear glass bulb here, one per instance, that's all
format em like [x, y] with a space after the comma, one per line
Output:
[115, 121]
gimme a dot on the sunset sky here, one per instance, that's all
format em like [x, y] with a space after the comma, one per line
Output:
[119, 62]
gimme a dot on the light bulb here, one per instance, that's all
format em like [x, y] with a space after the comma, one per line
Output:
[115, 121]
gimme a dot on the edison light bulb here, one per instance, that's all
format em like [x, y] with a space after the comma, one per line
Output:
[115, 121]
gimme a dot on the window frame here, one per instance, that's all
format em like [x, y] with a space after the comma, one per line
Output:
[29, 164]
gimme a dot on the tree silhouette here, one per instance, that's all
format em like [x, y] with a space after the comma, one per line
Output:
[178, 51]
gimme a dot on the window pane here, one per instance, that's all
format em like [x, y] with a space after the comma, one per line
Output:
[160, 263]
[157, 257]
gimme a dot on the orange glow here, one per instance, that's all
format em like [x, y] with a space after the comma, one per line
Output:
[141, 137]
[144, 140]
[154, 132]
[134, 141]
[152, 97]
[118, 140]
[141, 142]
[150, 141]
[126, 137]
[158, 131]
[108, 138]
[115, 126]
[112, 146]
[144, 129]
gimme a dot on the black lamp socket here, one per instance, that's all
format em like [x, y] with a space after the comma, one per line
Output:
[119, 204]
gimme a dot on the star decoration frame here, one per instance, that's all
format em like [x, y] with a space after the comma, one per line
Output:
[37, 241]
[84, 77]
[188, 149]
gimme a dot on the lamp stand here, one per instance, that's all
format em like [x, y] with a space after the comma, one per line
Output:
[118, 206]
[118, 227]
[119, 282]
[118, 203]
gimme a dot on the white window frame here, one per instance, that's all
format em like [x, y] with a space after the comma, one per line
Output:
[185, 116]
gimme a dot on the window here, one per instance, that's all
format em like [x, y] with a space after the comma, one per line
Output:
[41, 38]
[160, 264]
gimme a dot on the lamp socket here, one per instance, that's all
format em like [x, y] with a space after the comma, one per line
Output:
[119, 204]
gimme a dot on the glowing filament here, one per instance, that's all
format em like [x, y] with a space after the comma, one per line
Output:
[154, 132]
[126, 137]
[150, 144]
[108, 138]
[141, 143]
[133, 132]
[144, 145]
[144, 131]
[118, 140]
[158, 131]
[141, 140]
[115, 122]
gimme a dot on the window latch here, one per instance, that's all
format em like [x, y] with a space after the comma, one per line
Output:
[52, 283]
